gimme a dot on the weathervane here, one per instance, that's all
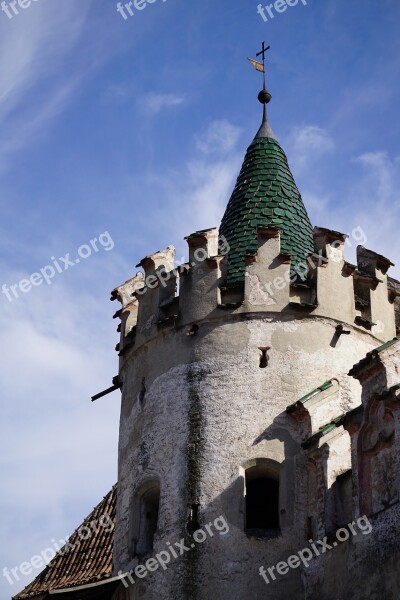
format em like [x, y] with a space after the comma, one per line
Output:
[264, 96]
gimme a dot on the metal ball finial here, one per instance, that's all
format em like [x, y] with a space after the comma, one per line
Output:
[264, 97]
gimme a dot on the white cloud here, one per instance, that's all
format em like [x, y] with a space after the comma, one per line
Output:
[368, 197]
[34, 82]
[376, 197]
[152, 104]
[209, 186]
[119, 92]
[307, 144]
[58, 451]
[220, 137]
[317, 204]
[196, 195]
[384, 175]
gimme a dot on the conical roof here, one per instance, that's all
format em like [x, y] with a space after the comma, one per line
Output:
[265, 195]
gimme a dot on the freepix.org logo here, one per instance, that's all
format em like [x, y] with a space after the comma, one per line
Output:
[11, 9]
[280, 6]
[62, 547]
[174, 551]
[129, 9]
[57, 266]
[316, 549]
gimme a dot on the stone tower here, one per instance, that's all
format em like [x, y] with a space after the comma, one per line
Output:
[238, 412]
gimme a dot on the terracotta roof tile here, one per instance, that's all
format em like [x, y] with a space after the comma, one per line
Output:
[89, 561]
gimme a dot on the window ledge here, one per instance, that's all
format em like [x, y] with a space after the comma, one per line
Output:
[263, 533]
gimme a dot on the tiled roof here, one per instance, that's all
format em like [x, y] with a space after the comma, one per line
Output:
[323, 431]
[304, 399]
[357, 368]
[89, 561]
[265, 195]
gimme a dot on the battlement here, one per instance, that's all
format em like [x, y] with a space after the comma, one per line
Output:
[165, 295]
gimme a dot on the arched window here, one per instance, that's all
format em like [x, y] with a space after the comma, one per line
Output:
[262, 496]
[145, 511]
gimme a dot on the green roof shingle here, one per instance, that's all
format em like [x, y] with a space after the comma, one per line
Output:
[265, 195]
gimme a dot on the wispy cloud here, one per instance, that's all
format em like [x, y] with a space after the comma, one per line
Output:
[383, 175]
[152, 104]
[376, 203]
[220, 137]
[308, 143]
[369, 194]
[34, 83]
[195, 197]
[54, 463]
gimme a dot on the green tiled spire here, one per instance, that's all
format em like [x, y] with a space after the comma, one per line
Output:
[265, 195]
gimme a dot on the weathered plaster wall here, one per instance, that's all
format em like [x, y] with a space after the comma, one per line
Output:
[197, 408]
[209, 409]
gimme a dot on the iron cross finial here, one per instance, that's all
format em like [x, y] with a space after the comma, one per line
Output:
[263, 51]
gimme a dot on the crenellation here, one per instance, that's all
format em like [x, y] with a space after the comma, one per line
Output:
[381, 308]
[330, 243]
[335, 289]
[267, 275]
[126, 294]
[304, 295]
[333, 284]
[157, 268]
[199, 290]
[202, 245]
[372, 263]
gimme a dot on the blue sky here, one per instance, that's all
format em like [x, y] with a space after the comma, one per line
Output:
[138, 127]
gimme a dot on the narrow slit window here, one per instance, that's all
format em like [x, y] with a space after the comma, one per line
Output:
[262, 500]
[146, 509]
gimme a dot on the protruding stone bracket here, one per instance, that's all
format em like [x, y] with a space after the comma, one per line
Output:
[367, 280]
[380, 369]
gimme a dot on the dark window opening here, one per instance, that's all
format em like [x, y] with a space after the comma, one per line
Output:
[344, 497]
[262, 502]
[149, 520]
[146, 508]
[339, 509]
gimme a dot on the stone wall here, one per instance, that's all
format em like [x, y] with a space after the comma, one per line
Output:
[207, 376]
